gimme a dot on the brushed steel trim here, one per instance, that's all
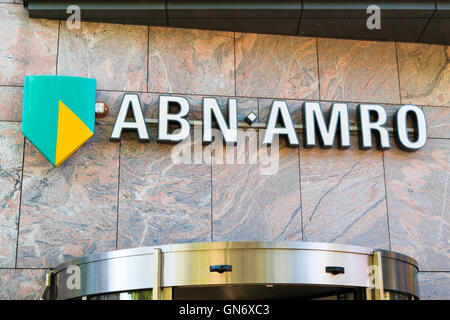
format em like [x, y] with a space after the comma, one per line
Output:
[279, 263]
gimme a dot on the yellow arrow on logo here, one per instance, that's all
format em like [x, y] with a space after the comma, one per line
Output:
[72, 134]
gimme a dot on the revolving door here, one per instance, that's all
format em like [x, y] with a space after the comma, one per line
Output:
[237, 270]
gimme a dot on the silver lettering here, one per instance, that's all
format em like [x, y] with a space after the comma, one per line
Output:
[139, 122]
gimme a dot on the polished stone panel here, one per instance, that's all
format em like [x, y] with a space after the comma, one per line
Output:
[434, 285]
[139, 160]
[276, 66]
[69, 211]
[343, 196]
[11, 103]
[438, 121]
[424, 73]
[358, 71]
[114, 54]
[21, 284]
[191, 61]
[11, 155]
[247, 205]
[27, 46]
[161, 202]
[418, 198]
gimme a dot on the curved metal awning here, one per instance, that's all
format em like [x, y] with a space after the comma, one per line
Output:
[287, 265]
[424, 21]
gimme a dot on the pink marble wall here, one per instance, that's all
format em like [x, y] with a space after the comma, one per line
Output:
[191, 61]
[418, 200]
[11, 155]
[21, 284]
[262, 69]
[359, 71]
[343, 196]
[120, 195]
[27, 46]
[424, 72]
[434, 285]
[11, 103]
[115, 55]
[247, 205]
[161, 202]
[71, 210]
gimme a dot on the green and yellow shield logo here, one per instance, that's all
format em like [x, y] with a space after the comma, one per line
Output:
[58, 114]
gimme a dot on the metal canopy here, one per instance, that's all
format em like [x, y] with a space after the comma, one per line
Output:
[237, 269]
[424, 21]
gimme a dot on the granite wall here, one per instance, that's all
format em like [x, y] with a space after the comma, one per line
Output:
[111, 196]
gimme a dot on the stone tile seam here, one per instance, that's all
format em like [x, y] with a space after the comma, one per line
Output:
[110, 125]
[398, 74]
[300, 191]
[318, 65]
[386, 201]
[243, 97]
[20, 204]
[57, 46]
[235, 71]
[118, 197]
